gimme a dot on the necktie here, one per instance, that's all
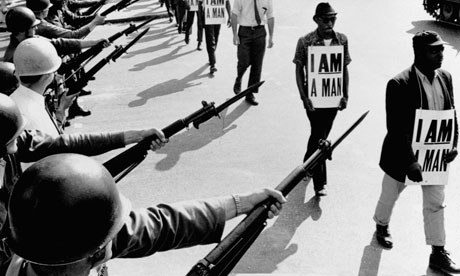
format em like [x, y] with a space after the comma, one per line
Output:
[256, 12]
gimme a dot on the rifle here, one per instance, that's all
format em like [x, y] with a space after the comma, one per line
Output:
[94, 8]
[223, 258]
[76, 63]
[77, 86]
[120, 165]
[118, 6]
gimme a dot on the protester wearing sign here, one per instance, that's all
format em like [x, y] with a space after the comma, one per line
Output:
[327, 50]
[251, 16]
[212, 13]
[422, 87]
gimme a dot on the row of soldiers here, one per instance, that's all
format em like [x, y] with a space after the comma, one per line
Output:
[65, 28]
[64, 215]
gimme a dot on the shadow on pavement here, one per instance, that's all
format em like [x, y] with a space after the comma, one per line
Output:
[430, 272]
[274, 244]
[450, 34]
[162, 59]
[169, 87]
[370, 260]
[195, 139]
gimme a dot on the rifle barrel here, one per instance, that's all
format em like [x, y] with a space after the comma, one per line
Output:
[129, 45]
[131, 157]
[228, 252]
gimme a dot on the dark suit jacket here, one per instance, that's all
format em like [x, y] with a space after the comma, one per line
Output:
[404, 95]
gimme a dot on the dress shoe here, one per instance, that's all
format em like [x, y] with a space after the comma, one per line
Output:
[440, 261]
[198, 47]
[76, 110]
[237, 86]
[251, 99]
[187, 39]
[383, 236]
[321, 192]
[84, 92]
[213, 69]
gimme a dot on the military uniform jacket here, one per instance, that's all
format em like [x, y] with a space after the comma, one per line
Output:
[405, 94]
[34, 145]
[159, 228]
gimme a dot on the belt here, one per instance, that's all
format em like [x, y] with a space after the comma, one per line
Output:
[252, 27]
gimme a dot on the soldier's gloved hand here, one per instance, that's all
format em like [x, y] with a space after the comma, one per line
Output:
[307, 103]
[105, 42]
[343, 103]
[99, 19]
[450, 156]
[414, 172]
[159, 141]
[250, 200]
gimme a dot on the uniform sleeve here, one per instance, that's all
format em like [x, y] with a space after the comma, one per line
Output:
[300, 56]
[166, 227]
[66, 46]
[49, 30]
[34, 144]
[74, 19]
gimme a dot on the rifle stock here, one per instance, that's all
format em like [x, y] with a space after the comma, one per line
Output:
[121, 164]
[223, 258]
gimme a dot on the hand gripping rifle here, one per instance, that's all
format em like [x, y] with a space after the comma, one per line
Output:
[77, 86]
[223, 258]
[120, 165]
[76, 63]
[118, 6]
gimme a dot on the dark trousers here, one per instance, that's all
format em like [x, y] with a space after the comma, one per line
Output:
[321, 121]
[212, 36]
[199, 25]
[251, 52]
[180, 14]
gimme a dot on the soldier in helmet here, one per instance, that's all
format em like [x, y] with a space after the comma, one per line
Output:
[8, 81]
[49, 30]
[68, 218]
[18, 144]
[36, 62]
[22, 24]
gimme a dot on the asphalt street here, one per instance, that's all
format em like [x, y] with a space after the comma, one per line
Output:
[162, 79]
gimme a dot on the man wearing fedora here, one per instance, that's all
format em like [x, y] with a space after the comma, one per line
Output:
[423, 86]
[321, 119]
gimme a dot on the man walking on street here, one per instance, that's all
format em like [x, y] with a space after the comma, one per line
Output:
[323, 40]
[421, 88]
[250, 37]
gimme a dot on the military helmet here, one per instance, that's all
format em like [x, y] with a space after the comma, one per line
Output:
[36, 56]
[20, 19]
[63, 209]
[38, 5]
[8, 82]
[11, 122]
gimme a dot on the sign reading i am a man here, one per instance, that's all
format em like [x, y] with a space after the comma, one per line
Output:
[325, 75]
[214, 12]
[433, 138]
[193, 5]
